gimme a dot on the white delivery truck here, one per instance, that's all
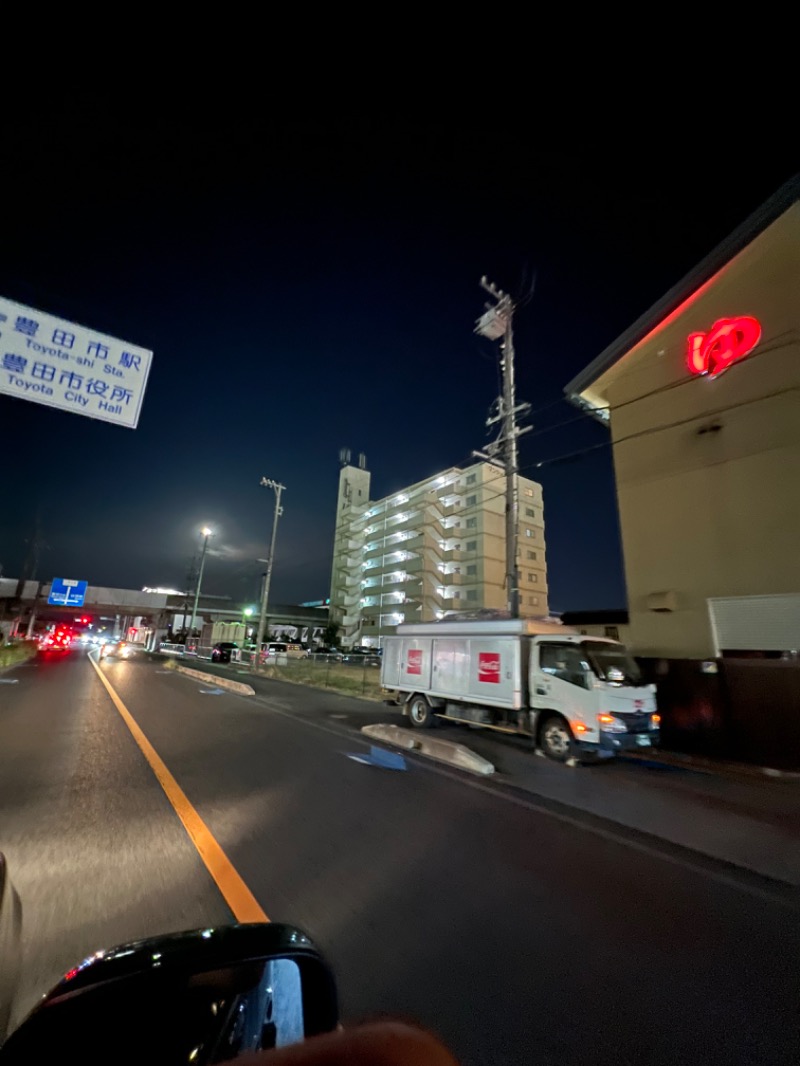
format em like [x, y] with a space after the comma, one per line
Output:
[577, 697]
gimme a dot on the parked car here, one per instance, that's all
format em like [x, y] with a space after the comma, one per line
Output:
[362, 656]
[221, 652]
[325, 653]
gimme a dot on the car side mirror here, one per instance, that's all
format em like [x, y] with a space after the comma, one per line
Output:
[205, 996]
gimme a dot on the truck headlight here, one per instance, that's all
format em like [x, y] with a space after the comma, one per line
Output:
[609, 723]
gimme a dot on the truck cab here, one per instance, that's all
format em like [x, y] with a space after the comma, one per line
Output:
[595, 686]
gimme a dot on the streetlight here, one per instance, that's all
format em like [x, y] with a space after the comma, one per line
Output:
[262, 618]
[247, 612]
[206, 532]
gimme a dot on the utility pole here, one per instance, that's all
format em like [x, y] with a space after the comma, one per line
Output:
[262, 618]
[206, 534]
[496, 323]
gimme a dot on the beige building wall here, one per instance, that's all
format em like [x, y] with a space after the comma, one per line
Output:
[708, 469]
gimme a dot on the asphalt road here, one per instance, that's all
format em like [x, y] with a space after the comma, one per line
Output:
[517, 934]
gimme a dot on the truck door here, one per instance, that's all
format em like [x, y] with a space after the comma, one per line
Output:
[390, 665]
[450, 667]
[415, 664]
[494, 672]
[561, 681]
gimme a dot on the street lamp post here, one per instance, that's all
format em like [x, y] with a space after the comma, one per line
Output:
[262, 618]
[206, 534]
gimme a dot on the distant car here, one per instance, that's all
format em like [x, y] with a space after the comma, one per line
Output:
[362, 656]
[271, 651]
[221, 652]
[325, 653]
[115, 649]
[54, 642]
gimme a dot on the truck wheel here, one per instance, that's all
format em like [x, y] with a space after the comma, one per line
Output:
[555, 738]
[421, 713]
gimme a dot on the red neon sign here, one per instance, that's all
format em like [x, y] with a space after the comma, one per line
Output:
[728, 340]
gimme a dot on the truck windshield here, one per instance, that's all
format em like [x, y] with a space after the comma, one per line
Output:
[612, 663]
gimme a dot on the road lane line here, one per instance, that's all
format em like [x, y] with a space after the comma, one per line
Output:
[237, 895]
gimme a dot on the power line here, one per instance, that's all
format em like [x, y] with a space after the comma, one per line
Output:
[765, 350]
[662, 427]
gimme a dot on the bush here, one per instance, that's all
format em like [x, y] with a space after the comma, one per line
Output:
[352, 680]
[18, 652]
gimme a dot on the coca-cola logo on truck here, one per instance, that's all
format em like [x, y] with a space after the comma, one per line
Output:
[489, 667]
[414, 664]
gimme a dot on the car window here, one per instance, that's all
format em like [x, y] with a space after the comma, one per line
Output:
[566, 662]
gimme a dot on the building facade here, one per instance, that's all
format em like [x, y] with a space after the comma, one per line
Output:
[702, 396]
[436, 546]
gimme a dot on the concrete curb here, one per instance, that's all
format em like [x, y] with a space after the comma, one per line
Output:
[446, 751]
[217, 679]
[719, 767]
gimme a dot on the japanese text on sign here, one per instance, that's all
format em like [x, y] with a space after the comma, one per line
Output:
[60, 364]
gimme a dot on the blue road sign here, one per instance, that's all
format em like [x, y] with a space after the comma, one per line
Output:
[66, 592]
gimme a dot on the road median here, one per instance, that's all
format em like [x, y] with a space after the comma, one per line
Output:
[216, 679]
[445, 751]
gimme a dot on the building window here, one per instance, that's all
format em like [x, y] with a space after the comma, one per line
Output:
[533, 601]
[472, 523]
[533, 578]
[612, 632]
[472, 569]
[471, 479]
[529, 492]
[529, 512]
[472, 594]
[530, 532]
[471, 501]
[456, 570]
[531, 555]
[472, 545]
[457, 594]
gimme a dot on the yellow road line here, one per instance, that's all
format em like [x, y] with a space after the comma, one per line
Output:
[237, 895]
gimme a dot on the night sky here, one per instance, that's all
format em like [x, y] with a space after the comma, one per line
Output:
[310, 284]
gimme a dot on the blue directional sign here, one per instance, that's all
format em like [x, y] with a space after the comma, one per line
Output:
[66, 592]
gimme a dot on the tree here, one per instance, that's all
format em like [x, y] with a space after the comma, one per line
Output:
[330, 634]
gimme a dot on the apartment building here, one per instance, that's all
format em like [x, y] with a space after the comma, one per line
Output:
[436, 546]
